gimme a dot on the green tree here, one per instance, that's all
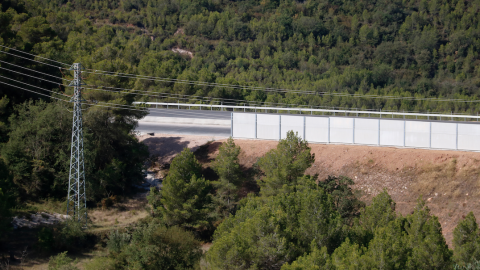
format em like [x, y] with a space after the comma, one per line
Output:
[429, 249]
[154, 246]
[8, 198]
[185, 194]
[268, 232]
[347, 205]
[466, 241]
[230, 178]
[284, 165]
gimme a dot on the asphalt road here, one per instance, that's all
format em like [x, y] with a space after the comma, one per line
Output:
[201, 114]
[203, 130]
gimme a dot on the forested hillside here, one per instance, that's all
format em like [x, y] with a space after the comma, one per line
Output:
[389, 48]
[389, 55]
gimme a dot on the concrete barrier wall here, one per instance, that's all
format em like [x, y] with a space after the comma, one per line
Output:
[268, 126]
[345, 130]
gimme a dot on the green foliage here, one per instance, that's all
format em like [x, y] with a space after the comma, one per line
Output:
[68, 235]
[7, 198]
[38, 152]
[318, 259]
[116, 241]
[153, 246]
[347, 205]
[230, 178]
[184, 195]
[284, 165]
[100, 263]
[466, 241]
[62, 262]
[268, 232]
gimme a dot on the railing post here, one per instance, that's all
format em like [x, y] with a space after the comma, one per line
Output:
[328, 131]
[456, 138]
[378, 139]
[231, 124]
[255, 126]
[279, 127]
[304, 127]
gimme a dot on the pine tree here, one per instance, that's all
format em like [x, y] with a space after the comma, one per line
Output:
[184, 195]
[228, 169]
[466, 241]
[284, 165]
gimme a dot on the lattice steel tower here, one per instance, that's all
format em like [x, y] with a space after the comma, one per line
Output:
[77, 201]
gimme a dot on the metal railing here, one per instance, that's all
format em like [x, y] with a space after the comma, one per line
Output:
[266, 109]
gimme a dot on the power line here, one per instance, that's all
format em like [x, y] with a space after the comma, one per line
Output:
[33, 76]
[34, 70]
[276, 90]
[30, 59]
[35, 55]
[32, 91]
[32, 86]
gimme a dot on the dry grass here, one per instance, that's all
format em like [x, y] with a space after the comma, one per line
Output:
[447, 179]
[120, 215]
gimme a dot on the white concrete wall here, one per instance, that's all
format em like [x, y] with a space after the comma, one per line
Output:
[391, 132]
[341, 130]
[469, 137]
[366, 131]
[295, 123]
[422, 134]
[268, 126]
[316, 129]
[244, 125]
[417, 134]
[444, 135]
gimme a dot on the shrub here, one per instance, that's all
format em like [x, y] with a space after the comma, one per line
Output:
[62, 262]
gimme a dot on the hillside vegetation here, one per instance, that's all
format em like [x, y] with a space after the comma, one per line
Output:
[392, 48]
[383, 52]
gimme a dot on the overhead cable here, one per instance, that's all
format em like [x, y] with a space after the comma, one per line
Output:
[34, 71]
[33, 91]
[33, 86]
[277, 90]
[33, 76]
[58, 62]
[30, 59]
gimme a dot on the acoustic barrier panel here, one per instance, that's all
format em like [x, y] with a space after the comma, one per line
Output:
[268, 126]
[469, 137]
[243, 125]
[392, 132]
[341, 130]
[295, 123]
[417, 134]
[316, 129]
[366, 131]
[444, 135]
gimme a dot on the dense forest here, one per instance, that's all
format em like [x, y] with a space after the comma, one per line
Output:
[420, 49]
[388, 55]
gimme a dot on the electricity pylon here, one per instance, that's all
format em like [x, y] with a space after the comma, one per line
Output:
[77, 201]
